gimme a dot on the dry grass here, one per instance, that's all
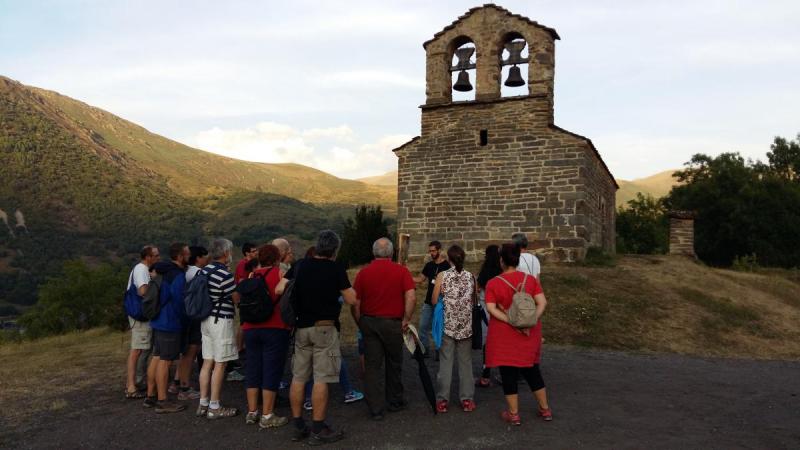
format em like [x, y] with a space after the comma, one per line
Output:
[39, 374]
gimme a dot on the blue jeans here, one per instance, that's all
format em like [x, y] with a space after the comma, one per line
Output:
[344, 381]
[426, 326]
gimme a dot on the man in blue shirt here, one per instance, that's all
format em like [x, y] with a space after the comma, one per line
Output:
[169, 324]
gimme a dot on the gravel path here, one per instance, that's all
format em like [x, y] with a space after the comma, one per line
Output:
[600, 399]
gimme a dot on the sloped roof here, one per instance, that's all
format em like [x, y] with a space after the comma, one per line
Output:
[499, 8]
[591, 145]
[414, 139]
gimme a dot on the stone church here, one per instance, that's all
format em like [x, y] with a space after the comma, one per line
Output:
[492, 165]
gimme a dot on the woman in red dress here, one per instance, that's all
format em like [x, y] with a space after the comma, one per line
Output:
[515, 352]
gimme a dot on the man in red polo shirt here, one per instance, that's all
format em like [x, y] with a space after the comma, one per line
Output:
[386, 301]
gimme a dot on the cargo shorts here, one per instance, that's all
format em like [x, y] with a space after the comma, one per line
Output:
[316, 351]
[141, 334]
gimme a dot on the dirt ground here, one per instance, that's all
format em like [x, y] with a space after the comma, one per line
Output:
[600, 399]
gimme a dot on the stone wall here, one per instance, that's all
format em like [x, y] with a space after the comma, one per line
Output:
[529, 176]
[681, 233]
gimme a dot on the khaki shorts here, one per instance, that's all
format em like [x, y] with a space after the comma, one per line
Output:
[317, 351]
[219, 339]
[141, 334]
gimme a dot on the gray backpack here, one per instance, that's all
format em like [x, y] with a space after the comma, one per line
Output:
[522, 313]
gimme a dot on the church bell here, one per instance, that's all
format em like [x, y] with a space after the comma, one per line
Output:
[514, 78]
[462, 82]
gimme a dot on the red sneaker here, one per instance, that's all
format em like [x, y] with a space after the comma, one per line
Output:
[483, 382]
[513, 419]
[546, 414]
[468, 405]
[441, 406]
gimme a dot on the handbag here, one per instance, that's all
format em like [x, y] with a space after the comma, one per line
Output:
[437, 327]
[477, 319]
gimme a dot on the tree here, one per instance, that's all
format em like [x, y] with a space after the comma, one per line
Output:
[81, 297]
[642, 227]
[359, 233]
[743, 207]
[784, 158]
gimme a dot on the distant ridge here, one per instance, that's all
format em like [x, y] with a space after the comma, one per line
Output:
[387, 179]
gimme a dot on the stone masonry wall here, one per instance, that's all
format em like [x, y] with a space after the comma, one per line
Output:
[681, 234]
[530, 177]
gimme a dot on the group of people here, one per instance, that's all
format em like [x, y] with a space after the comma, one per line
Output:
[382, 302]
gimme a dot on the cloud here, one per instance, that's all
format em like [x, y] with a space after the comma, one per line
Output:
[336, 150]
[370, 79]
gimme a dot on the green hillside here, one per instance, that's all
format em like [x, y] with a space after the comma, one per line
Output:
[197, 173]
[94, 186]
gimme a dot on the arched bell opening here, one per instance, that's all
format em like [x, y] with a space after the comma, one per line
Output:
[514, 57]
[463, 69]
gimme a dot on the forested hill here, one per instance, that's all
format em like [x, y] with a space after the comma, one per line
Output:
[78, 181]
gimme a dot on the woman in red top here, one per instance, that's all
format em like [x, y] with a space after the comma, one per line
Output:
[267, 343]
[515, 352]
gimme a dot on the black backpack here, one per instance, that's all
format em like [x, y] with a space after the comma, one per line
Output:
[288, 299]
[151, 301]
[255, 303]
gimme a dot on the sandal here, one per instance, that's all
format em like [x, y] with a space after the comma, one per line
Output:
[134, 395]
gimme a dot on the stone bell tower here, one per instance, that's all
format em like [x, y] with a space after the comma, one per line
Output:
[491, 164]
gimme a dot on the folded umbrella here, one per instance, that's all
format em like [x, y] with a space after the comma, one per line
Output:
[413, 344]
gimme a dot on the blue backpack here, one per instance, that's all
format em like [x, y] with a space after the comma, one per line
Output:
[196, 300]
[437, 325]
[133, 304]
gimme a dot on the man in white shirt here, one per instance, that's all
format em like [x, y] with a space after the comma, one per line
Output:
[528, 263]
[141, 333]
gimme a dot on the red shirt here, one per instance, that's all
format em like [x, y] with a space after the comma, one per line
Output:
[381, 287]
[241, 272]
[274, 321]
[505, 345]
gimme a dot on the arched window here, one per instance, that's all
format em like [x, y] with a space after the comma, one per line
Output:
[462, 69]
[514, 65]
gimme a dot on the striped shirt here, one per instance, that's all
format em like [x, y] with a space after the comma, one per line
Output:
[220, 289]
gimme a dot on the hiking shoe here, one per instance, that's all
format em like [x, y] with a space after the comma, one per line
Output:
[221, 413]
[283, 385]
[274, 421]
[172, 389]
[483, 382]
[167, 406]
[468, 405]
[353, 396]
[300, 434]
[189, 394]
[326, 436]
[513, 419]
[397, 406]
[234, 375]
[441, 406]
[307, 405]
[149, 402]
[251, 417]
[546, 414]
[201, 410]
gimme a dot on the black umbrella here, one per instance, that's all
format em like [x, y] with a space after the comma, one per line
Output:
[424, 376]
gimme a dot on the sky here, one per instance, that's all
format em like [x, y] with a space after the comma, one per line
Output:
[337, 85]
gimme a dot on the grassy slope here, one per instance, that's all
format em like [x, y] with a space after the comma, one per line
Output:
[199, 174]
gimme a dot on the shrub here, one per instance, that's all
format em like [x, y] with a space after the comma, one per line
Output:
[81, 297]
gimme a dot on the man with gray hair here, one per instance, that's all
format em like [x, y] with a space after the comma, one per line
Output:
[386, 301]
[528, 262]
[319, 281]
[218, 330]
[287, 255]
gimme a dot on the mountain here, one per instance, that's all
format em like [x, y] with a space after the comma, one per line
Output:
[78, 181]
[387, 179]
[657, 185]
